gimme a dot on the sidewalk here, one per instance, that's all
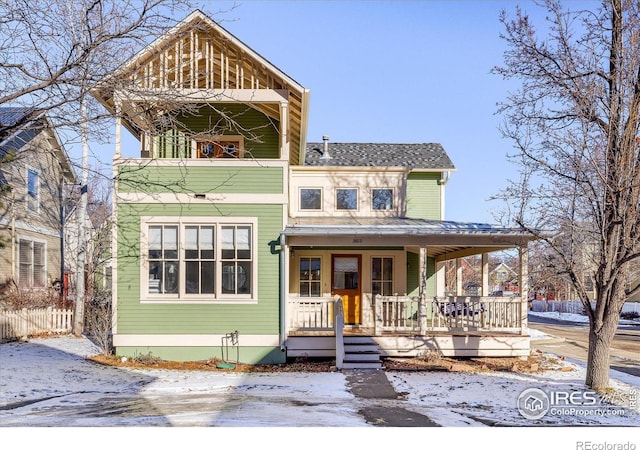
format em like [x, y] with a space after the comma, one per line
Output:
[381, 405]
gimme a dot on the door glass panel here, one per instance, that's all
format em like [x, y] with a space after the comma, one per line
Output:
[345, 272]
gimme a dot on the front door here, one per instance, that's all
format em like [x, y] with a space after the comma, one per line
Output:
[345, 282]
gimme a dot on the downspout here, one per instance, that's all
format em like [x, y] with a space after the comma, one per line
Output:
[283, 292]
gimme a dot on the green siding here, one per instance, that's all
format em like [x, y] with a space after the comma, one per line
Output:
[135, 317]
[423, 196]
[260, 132]
[249, 355]
[413, 275]
[201, 180]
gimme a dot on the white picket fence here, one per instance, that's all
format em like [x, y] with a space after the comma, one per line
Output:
[574, 306]
[29, 322]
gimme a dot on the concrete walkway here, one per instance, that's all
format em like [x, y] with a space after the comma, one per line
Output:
[381, 404]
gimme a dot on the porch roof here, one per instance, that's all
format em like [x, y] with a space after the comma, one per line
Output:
[443, 239]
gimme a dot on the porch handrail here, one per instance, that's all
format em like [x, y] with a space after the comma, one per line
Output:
[311, 313]
[445, 314]
[338, 326]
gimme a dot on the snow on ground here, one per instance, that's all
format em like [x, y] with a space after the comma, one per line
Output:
[48, 382]
[576, 318]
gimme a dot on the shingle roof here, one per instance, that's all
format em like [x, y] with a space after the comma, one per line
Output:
[413, 156]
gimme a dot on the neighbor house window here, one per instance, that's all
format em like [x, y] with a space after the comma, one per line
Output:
[310, 277]
[382, 199]
[200, 261]
[31, 262]
[382, 276]
[33, 191]
[346, 199]
[311, 199]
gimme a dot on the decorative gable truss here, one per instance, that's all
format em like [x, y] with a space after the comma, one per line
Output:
[200, 63]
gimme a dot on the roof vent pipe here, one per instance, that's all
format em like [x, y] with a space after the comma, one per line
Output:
[325, 149]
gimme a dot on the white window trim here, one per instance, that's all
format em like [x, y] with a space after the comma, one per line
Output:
[357, 208]
[217, 138]
[321, 280]
[45, 268]
[305, 210]
[393, 197]
[181, 297]
[393, 271]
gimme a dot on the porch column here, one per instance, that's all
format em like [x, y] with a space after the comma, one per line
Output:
[285, 255]
[485, 274]
[441, 286]
[284, 132]
[422, 299]
[523, 252]
[458, 277]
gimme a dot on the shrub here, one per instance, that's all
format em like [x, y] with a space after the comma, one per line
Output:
[98, 321]
[13, 297]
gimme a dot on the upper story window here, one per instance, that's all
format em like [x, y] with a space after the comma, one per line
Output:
[346, 199]
[382, 199]
[220, 149]
[311, 199]
[33, 191]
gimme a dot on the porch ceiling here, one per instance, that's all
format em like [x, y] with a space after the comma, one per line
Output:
[442, 239]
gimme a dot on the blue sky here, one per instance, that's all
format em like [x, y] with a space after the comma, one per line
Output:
[395, 72]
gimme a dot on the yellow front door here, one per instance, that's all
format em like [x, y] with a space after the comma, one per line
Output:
[345, 282]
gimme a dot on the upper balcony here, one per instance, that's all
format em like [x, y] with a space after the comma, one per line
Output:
[197, 83]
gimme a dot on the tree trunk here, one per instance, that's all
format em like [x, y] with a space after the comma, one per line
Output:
[599, 350]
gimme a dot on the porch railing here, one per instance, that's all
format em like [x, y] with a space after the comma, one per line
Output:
[310, 314]
[404, 314]
[410, 314]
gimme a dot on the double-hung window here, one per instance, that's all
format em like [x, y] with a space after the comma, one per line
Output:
[163, 259]
[236, 259]
[31, 262]
[197, 259]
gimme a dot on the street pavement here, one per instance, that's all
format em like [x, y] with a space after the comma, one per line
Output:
[572, 341]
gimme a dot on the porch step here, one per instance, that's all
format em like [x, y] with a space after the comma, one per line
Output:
[361, 353]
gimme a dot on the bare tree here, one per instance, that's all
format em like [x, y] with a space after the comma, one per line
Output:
[575, 125]
[54, 51]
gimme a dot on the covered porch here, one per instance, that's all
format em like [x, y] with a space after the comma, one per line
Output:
[383, 281]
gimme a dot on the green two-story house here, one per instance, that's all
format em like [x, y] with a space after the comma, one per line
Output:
[229, 223]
